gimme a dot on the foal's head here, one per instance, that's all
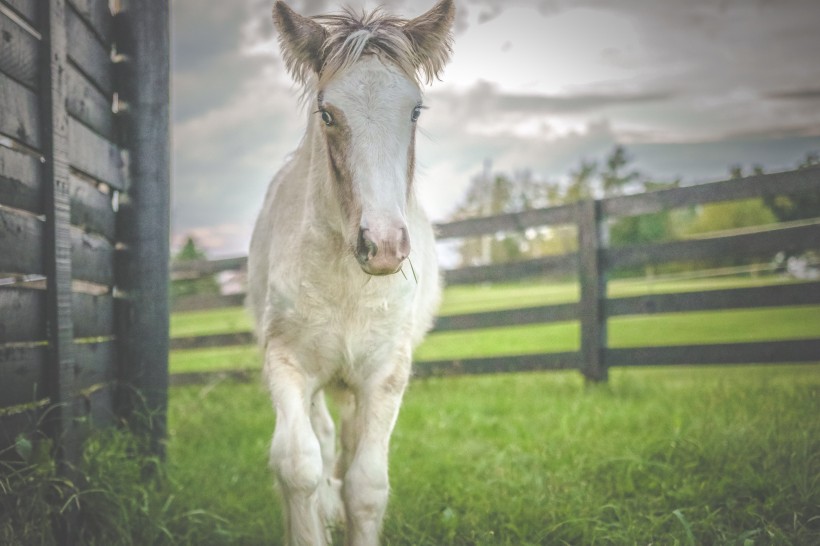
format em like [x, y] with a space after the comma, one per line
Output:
[363, 74]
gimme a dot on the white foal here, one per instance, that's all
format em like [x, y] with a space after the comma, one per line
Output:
[342, 273]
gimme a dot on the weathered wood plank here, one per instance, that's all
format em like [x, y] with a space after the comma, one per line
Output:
[144, 37]
[95, 156]
[96, 363]
[22, 315]
[547, 265]
[779, 295]
[516, 221]
[62, 425]
[20, 119]
[20, 180]
[93, 315]
[214, 340]
[23, 371]
[508, 317]
[86, 103]
[497, 364]
[19, 52]
[92, 258]
[21, 243]
[759, 352]
[27, 9]
[592, 278]
[791, 182]
[87, 52]
[97, 15]
[760, 244]
[91, 209]
[99, 405]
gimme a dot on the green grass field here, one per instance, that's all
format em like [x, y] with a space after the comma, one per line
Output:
[682, 456]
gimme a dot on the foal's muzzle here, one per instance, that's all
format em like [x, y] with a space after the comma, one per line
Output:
[381, 252]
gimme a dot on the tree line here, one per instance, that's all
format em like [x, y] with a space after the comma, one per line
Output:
[497, 193]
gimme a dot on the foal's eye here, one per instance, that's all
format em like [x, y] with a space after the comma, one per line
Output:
[416, 113]
[327, 118]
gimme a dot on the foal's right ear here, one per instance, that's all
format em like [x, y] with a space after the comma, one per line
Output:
[301, 40]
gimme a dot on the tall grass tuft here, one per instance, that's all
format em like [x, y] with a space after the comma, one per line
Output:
[118, 495]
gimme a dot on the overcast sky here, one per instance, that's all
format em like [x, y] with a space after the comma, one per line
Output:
[690, 87]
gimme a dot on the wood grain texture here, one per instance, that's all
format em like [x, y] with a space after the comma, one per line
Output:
[95, 156]
[22, 316]
[87, 104]
[88, 53]
[21, 243]
[97, 15]
[21, 113]
[28, 9]
[23, 369]
[19, 52]
[92, 258]
[20, 180]
[143, 35]
[91, 209]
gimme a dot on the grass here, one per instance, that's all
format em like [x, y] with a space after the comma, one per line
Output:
[727, 455]
[706, 455]
[681, 456]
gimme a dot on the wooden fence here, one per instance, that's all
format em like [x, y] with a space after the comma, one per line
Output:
[594, 263]
[84, 187]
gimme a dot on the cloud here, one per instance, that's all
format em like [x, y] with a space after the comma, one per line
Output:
[812, 94]
[690, 86]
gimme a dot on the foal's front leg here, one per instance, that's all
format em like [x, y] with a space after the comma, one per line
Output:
[295, 453]
[366, 484]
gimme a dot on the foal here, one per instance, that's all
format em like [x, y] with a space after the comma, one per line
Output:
[342, 273]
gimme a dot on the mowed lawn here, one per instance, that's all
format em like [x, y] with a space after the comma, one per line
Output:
[669, 329]
[686, 456]
[683, 455]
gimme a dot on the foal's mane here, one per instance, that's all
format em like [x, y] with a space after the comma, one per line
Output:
[349, 35]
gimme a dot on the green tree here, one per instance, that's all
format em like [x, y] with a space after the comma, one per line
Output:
[192, 286]
[615, 177]
[807, 205]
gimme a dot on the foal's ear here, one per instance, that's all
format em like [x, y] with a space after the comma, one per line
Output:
[301, 40]
[432, 39]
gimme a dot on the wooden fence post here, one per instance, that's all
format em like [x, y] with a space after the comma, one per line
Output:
[143, 42]
[61, 381]
[592, 277]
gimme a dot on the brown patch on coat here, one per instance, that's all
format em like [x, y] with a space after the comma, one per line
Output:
[411, 161]
[338, 138]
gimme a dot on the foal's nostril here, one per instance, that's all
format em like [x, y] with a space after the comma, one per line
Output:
[366, 248]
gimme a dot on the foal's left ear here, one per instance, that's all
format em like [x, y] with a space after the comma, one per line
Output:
[432, 39]
[301, 40]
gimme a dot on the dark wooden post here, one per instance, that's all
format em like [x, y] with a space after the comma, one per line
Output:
[591, 237]
[142, 41]
[62, 423]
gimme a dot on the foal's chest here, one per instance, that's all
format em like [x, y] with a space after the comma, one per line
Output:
[340, 328]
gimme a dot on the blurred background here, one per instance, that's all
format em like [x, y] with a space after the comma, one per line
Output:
[544, 100]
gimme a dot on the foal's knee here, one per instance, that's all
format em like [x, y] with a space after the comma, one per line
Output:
[297, 464]
[366, 490]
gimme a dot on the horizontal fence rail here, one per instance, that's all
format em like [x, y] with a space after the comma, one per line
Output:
[593, 264]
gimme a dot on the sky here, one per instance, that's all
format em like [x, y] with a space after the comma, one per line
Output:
[689, 87]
